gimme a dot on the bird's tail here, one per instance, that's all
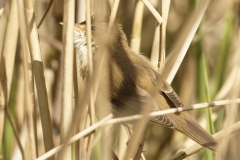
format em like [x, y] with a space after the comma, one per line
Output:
[194, 131]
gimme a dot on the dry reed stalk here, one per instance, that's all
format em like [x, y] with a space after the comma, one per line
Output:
[80, 16]
[105, 142]
[113, 15]
[31, 106]
[121, 143]
[10, 44]
[20, 92]
[7, 61]
[110, 3]
[89, 144]
[163, 10]
[28, 80]
[103, 108]
[137, 27]
[76, 102]
[176, 110]
[3, 25]
[108, 120]
[38, 71]
[67, 79]
[89, 42]
[154, 59]
[91, 113]
[89, 38]
[76, 137]
[81, 10]
[180, 48]
[153, 11]
[83, 125]
[90, 70]
[85, 143]
[84, 111]
[106, 138]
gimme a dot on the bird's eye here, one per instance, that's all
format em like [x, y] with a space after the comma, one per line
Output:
[93, 28]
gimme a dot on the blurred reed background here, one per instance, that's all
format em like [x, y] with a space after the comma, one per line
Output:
[37, 75]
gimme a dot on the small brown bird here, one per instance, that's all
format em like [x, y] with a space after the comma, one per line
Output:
[132, 77]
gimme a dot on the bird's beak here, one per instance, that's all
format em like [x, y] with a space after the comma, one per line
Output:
[61, 23]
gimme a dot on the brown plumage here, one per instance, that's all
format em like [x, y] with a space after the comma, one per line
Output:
[132, 78]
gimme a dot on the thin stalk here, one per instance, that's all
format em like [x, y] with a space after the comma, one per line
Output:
[185, 38]
[154, 59]
[103, 100]
[29, 88]
[85, 149]
[137, 27]
[210, 126]
[76, 102]
[38, 70]
[76, 137]
[11, 120]
[153, 11]
[45, 14]
[175, 110]
[208, 97]
[7, 57]
[67, 79]
[203, 90]
[90, 70]
[90, 62]
[163, 10]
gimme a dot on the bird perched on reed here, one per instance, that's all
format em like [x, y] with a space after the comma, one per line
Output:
[131, 78]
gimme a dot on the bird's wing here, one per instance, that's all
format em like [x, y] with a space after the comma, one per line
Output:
[184, 121]
[129, 104]
[186, 124]
[166, 88]
[171, 94]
